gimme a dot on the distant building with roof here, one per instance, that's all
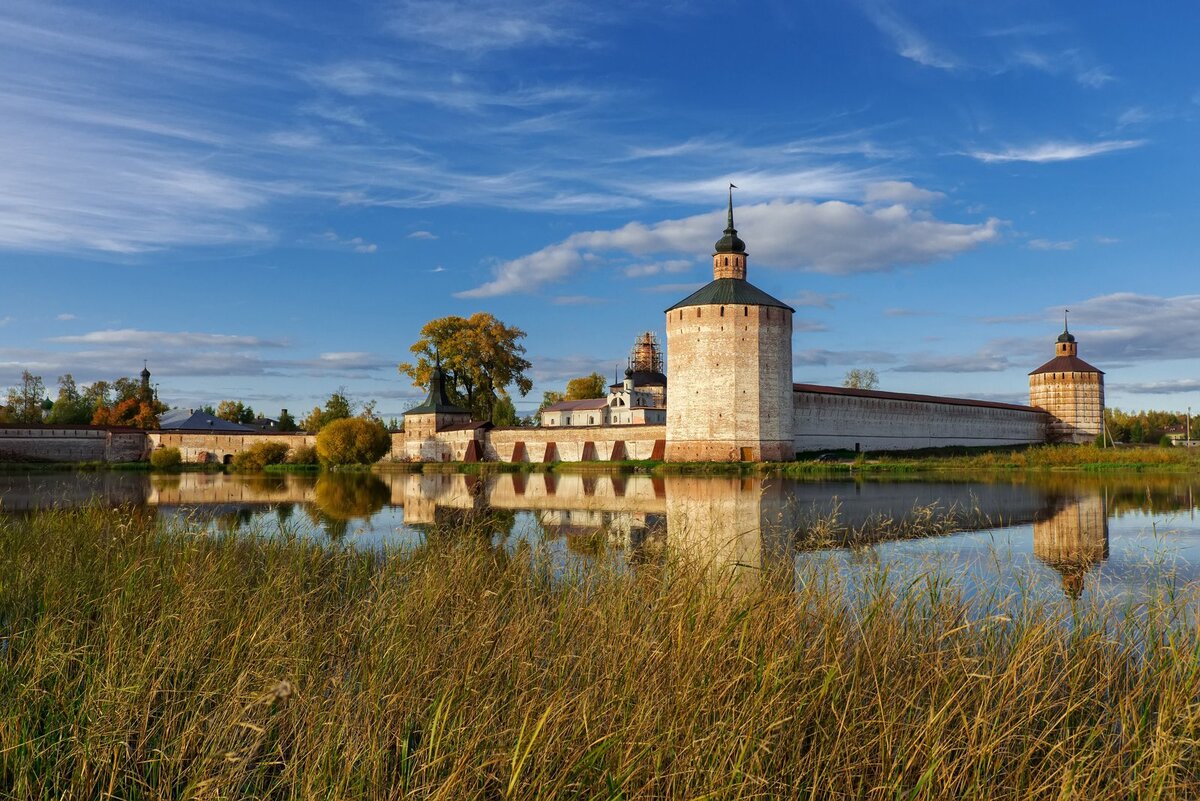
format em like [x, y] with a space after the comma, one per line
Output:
[640, 399]
[199, 420]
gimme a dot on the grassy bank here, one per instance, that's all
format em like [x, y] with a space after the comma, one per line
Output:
[142, 662]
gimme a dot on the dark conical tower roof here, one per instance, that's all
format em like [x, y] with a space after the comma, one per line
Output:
[437, 401]
[1066, 335]
[730, 243]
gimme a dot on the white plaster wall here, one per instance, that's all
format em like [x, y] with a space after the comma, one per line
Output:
[831, 422]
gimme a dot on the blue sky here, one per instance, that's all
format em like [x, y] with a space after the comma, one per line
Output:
[267, 203]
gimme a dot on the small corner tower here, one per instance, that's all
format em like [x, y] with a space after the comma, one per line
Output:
[1071, 391]
[730, 366]
[422, 422]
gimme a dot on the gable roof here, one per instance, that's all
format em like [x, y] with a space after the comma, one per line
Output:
[907, 396]
[190, 420]
[730, 292]
[1066, 364]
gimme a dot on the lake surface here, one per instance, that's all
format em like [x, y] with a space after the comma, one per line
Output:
[1058, 534]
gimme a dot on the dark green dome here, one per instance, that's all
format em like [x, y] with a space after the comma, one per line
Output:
[730, 243]
[1066, 336]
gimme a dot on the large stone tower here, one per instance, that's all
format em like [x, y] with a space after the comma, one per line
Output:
[729, 366]
[1071, 390]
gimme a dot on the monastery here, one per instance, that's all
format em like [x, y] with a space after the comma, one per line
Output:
[732, 397]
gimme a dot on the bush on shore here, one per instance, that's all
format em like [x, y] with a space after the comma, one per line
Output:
[303, 454]
[165, 458]
[353, 440]
[274, 667]
[259, 455]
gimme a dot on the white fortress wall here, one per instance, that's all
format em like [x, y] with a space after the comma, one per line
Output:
[832, 418]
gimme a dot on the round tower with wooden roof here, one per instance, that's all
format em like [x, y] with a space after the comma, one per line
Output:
[729, 367]
[1071, 391]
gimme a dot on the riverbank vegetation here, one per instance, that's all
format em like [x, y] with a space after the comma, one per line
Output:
[142, 660]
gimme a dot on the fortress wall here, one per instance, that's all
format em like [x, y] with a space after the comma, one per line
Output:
[836, 421]
[71, 444]
[425, 446]
[1076, 402]
[571, 444]
[203, 446]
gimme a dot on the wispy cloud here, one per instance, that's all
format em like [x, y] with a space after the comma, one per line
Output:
[815, 300]
[422, 235]
[483, 25]
[1046, 152]
[65, 317]
[941, 363]
[1168, 387]
[1050, 244]
[833, 237]
[175, 339]
[658, 267]
[906, 39]
[356, 243]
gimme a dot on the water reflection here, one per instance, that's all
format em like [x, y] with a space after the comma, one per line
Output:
[727, 523]
[1072, 538]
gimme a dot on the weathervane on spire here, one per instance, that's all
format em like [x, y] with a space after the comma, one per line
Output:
[1065, 313]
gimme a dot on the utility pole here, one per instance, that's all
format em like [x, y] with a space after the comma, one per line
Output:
[1189, 426]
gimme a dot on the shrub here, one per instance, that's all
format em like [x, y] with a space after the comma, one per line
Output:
[165, 458]
[303, 454]
[353, 440]
[258, 456]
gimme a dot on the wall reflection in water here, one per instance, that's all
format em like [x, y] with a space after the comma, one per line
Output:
[739, 523]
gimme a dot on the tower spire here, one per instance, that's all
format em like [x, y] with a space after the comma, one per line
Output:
[729, 229]
[1066, 328]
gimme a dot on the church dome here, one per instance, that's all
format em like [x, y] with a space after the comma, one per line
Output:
[1066, 336]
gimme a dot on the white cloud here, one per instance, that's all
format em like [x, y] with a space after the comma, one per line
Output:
[815, 300]
[422, 235]
[1168, 387]
[357, 243]
[1136, 328]
[941, 363]
[832, 237]
[1056, 151]
[5, 321]
[65, 317]
[657, 267]
[176, 339]
[848, 358]
[1107, 240]
[901, 192]
[482, 25]
[908, 41]
[1049, 244]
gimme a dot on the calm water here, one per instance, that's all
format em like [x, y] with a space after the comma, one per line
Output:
[1054, 534]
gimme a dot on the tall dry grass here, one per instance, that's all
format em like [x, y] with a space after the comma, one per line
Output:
[139, 661]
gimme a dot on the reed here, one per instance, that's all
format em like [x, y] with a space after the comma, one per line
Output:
[145, 660]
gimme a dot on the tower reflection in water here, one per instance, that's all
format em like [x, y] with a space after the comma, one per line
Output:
[1072, 538]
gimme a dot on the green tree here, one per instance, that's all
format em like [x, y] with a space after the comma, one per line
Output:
[481, 358]
[338, 407]
[586, 387]
[125, 388]
[287, 423]
[353, 440]
[549, 399]
[71, 407]
[504, 413]
[235, 412]
[860, 378]
[97, 394]
[25, 399]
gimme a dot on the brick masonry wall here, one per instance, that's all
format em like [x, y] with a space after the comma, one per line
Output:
[573, 444]
[202, 446]
[832, 422]
[729, 372]
[1075, 402]
[71, 444]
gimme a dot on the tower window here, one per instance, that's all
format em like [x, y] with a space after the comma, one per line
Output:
[745, 311]
[726, 261]
[697, 312]
[722, 311]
